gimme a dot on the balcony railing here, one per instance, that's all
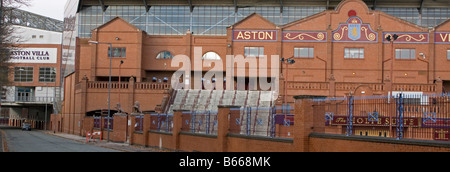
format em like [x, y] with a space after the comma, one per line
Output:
[33, 99]
[125, 85]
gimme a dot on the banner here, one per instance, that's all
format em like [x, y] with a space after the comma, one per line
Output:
[442, 38]
[34, 55]
[407, 37]
[382, 121]
[303, 36]
[254, 35]
[441, 134]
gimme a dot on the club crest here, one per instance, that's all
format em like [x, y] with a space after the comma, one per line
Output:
[354, 29]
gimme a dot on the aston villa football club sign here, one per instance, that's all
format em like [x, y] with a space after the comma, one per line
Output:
[355, 31]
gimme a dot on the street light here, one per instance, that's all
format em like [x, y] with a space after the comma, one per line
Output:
[109, 87]
[286, 61]
[120, 78]
[46, 101]
[391, 39]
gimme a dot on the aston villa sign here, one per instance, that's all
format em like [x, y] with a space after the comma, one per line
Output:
[254, 35]
[34, 55]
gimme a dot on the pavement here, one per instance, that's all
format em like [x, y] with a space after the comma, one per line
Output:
[3, 145]
[1, 142]
[122, 147]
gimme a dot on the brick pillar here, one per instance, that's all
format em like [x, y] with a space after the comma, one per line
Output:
[84, 84]
[439, 85]
[88, 125]
[388, 86]
[303, 122]
[119, 133]
[223, 127]
[131, 128]
[146, 128]
[177, 125]
[130, 103]
[332, 85]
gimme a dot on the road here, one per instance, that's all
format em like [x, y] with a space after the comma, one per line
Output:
[37, 141]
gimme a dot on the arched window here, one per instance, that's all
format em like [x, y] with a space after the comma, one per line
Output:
[211, 56]
[164, 55]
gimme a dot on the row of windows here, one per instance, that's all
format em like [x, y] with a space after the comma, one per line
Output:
[25, 74]
[213, 20]
[176, 20]
[306, 52]
[206, 56]
[121, 53]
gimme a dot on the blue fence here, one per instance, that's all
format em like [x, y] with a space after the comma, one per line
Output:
[262, 121]
[161, 122]
[403, 115]
[203, 122]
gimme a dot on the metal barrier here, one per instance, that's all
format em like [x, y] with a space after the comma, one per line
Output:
[161, 122]
[4, 121]
[262, 121]
[98, 122]
[203, 122]
[404, 115]
[139, 126]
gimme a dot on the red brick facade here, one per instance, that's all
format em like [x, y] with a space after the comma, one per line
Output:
[327, 72]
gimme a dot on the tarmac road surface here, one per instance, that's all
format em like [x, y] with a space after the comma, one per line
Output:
[37, 141]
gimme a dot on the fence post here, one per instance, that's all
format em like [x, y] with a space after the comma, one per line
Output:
[400, 117]
[349, 115]
[249, 120]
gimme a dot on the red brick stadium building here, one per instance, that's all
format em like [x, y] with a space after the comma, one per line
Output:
[339, 48]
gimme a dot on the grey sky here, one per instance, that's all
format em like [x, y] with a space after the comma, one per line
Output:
[48, 8]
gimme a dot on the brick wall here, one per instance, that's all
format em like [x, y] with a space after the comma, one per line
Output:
[340, 143]
[307, 137]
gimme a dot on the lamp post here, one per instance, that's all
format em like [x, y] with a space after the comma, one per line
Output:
[391, 39]
[109, 87]
[286, 61]
[120, 78]
[46, 102]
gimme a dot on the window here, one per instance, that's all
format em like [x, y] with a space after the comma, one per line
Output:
[23, 74]
[408, 54]
[211, 56]
[254, 51]
[164, 55]
[3, 93]
[448, 54]
[117, 52]
[354, 53]
[304, 52]
[47, 74]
